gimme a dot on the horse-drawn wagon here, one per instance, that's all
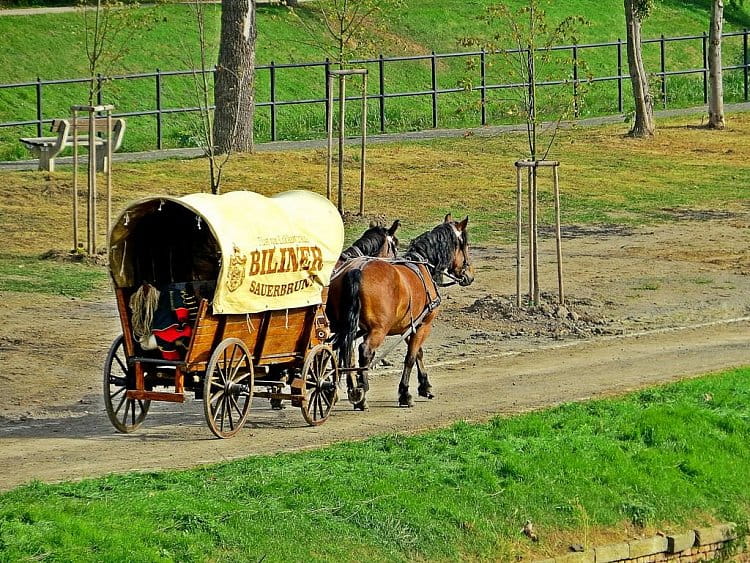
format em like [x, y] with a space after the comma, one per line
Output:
[223, 296]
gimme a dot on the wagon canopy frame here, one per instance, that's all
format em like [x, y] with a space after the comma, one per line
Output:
[264, 253]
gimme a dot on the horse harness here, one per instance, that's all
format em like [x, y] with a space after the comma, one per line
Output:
[419, 268]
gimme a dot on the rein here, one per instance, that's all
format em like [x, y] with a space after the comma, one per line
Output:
[419, 259]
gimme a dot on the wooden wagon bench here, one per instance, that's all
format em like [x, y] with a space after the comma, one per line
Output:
[46, 149]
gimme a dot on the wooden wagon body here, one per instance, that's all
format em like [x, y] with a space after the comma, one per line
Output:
[257, 327]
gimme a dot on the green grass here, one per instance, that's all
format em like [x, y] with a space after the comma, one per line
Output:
[663, 458]
[30, 274]
[58, 53]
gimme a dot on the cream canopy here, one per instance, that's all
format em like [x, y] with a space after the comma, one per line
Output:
[264, 252]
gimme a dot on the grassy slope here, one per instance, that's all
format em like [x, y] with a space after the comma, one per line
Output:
[583, 473]
[167, 44]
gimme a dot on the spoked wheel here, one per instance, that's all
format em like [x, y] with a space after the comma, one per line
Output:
[320, 374]
[228, 388]
[125, 414]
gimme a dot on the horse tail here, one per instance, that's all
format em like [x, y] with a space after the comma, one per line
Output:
[348, 322]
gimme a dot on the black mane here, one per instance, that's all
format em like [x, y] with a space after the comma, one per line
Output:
[369, 244]
[437, 247]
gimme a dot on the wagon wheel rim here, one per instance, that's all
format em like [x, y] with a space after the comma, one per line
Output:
[228, 388]
[125, 414]
[320, 374]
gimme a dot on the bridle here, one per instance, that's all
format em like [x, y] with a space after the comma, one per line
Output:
[457, 278]
[460, 276]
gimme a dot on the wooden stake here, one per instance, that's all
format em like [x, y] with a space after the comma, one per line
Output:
[519, 190]
[535, 234]
[558, 236]
[531, 239]
[342, 130]
[363, 151]
[108, 171]
[92, 186]
[329, 158]
[75, 181]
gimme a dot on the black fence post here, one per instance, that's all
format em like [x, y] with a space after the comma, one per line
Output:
[433, 72]
[747, 61]
[381, 92]
[620, 106]
[273, 100]
[705, 67]
[99, 86]
[575, 82]
[158, 110]
[663, 65]
[329, 92]
[483, 74]
[38, 107]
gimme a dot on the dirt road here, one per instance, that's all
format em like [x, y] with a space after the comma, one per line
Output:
[644, 306]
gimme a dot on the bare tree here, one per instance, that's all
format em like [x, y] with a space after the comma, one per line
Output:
[715, 73]
[203, 84]
[110, 29]
[350, 27]
[524, 39]
[234, 90]
[643, 124]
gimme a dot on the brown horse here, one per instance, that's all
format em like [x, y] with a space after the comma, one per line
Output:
[397, 298]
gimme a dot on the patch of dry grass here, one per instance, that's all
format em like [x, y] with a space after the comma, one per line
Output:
[605, 178]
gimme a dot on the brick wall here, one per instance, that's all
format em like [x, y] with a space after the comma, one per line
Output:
[701, 544]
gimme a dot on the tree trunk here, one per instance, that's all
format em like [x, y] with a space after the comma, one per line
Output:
[716, 86]
[235, 73]
[644, 125]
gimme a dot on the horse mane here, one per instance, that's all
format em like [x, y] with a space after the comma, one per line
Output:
[437, 247]
[369, 244]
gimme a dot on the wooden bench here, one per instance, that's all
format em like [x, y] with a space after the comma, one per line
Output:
[47, 148]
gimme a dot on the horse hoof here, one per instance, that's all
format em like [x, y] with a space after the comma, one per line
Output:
[361, 406]
[426, 393]
[405, 401]
[356, 395]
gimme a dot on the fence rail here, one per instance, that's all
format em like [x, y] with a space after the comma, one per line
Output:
[433, 93]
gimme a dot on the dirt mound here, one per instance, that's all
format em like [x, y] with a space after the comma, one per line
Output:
[75, 257]
[579, 318]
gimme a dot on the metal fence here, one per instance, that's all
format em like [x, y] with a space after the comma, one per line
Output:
[433, 94]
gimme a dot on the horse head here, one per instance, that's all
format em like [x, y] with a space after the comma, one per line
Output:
[445, 251]
[460, 267]
[380, 242]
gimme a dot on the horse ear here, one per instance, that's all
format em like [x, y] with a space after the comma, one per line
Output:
[396, 225]
[448, 218]
[462, 225]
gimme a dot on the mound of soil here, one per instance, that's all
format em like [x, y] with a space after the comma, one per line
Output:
[578, 318]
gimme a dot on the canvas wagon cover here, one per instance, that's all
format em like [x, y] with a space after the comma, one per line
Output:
[277, 252]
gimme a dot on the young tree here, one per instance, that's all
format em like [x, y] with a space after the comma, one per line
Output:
[110, 29]
[203, 93]
[715, 73]
[350, 28]
[524, 39]
[234, 90]
[635, 12]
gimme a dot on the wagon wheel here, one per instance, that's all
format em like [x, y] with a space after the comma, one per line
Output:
[228, 388]
[320, 374]
[125, 414]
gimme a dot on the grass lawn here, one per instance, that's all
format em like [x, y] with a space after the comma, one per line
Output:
[59, 53]
[660, 459]
[683, 167]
